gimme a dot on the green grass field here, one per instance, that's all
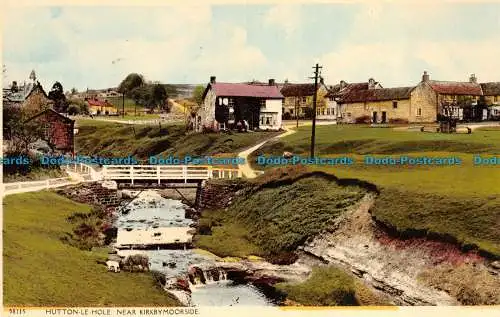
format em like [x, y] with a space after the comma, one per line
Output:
[459, 201]
[276, 214]
[40, 270]
[116, 140]
[130, 105]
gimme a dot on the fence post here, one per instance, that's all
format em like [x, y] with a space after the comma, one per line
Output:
[158, 173]
[132, 174]
[184, 173]
[210, 172]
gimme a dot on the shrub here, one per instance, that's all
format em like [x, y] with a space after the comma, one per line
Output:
[73, 110]
[159, 279]
[205, 226]
[327, 286]
[287, 116]
[363, 119]
[398, 121]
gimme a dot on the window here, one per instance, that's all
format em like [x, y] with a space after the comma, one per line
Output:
[349, 114]
[263, 103]
[495, 99]
[328, 111]
[262, 120]
[331, 99]
[394, 104]
[333, 111]
[231, 102]
[322, 112]
[419, 112]
[291, 111]
[304, 99]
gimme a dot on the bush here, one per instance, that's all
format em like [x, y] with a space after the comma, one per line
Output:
[327, 286]
[205, 226]
[363, 119]
[159, 279]
[287, 116]
[398, 121]
[73, 110]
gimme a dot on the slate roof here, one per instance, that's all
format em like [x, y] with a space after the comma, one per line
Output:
[63, 117]
[335, 90]
[298, 90]
[456, 88]
[491, 89]
[379, 94]
[246, 90]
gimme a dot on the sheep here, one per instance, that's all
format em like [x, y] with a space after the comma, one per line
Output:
[113, 266]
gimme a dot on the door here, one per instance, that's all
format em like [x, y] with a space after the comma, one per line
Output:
[384, 116]
[374, 118]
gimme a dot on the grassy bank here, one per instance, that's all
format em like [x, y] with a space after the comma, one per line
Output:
[276, 214]
[330, 286]
[36, 174]
[40, 270]
[460, 202]
[113, 139]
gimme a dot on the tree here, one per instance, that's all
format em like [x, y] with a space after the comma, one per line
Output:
[198, 94]
[158, 95]
[56, 94]
[74, 91]
[20, 132]
[131, 82]
[14, 87]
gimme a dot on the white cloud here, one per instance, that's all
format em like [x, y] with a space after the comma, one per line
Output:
[157, 44]
[285, 16]
[395, 44]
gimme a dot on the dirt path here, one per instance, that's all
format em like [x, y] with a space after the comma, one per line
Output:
[246, 169]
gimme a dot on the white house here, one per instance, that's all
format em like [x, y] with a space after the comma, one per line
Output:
[226, 104]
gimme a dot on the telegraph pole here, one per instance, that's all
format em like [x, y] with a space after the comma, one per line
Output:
[313, 133]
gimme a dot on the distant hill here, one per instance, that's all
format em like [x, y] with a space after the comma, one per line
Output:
[174, 91]
[180, 91]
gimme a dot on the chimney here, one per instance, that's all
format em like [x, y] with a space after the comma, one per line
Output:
[342, 84]
[271, 82]
[212, 79]
[473, 78]
[425, 76]
[371, 83]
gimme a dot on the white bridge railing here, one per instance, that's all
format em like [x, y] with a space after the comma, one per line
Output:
[167, 172]
[23, 187]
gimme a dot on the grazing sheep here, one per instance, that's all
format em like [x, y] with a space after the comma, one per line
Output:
[113, 266]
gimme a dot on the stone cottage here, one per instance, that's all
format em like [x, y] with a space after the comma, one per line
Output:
[58, 130]
[299, 100]
[491, 98]
[226, 104]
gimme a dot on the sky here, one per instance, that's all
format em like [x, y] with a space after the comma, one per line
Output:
[97, 46]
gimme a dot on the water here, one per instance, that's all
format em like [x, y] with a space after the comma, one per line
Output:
[149, 209]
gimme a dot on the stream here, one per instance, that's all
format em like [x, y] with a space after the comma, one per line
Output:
[150, 210]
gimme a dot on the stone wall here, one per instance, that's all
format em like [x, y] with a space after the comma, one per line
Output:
[93, 194]
[424, 98]
[217, 195]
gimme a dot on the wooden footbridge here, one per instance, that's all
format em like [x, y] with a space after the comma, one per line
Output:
[166, 174]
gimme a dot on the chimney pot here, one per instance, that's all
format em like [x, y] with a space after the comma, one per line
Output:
[212, 79]
[473, 78]
[425, 76]
[271, 82]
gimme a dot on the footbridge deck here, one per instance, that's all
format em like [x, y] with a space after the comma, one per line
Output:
[167, 173]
